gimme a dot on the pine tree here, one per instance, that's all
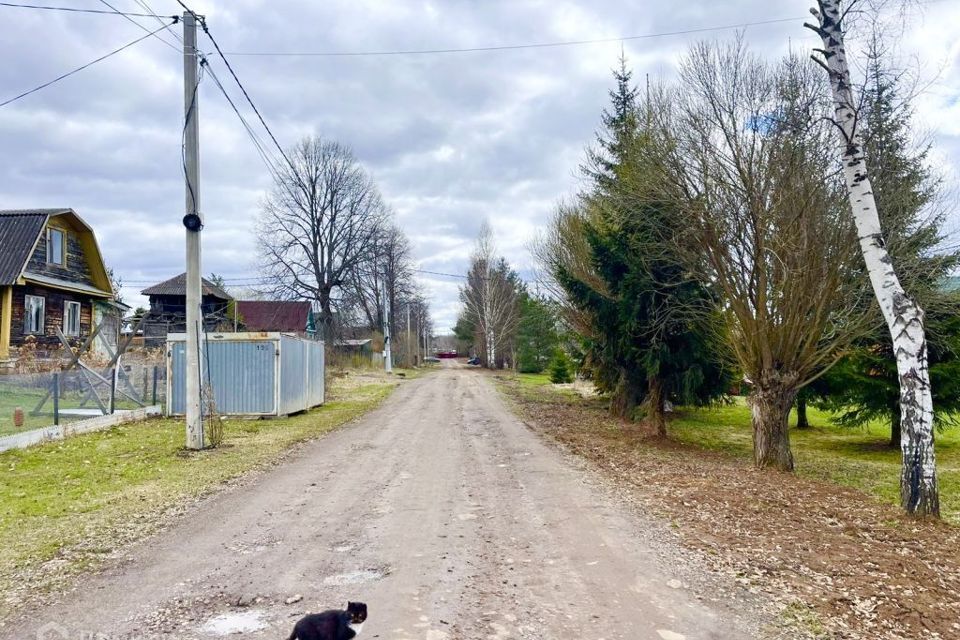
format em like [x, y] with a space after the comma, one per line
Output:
[619, 128]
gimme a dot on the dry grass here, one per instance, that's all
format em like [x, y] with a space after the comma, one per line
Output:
[841, 563]
[66, 505]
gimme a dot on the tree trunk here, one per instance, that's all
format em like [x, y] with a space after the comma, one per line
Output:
[771, 419]
[918, 479]
[895, 435]
[656, 407]
[625, 398]
[802, 421]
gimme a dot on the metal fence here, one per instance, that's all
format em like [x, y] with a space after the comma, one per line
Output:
[37, 400]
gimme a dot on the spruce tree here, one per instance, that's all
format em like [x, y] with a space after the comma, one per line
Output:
[652, 338]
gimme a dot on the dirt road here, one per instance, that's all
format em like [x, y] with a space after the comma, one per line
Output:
[440, 510]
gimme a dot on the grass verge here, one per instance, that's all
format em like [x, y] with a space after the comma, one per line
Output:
[858, 458]
[65, 505]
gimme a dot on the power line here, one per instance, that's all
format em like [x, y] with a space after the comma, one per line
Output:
[76, 10]
[132, 21]
[438, 273]
[262, 151]
[206, 30]
[149, 9]
[537, 45]
[89, 64]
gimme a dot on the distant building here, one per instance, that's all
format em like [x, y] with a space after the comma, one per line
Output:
[168, 309]
[287, 316]
[52, 276]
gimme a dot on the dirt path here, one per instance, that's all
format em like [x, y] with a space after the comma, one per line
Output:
[440, 510]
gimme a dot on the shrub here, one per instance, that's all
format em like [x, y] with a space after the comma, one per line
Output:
[560, 368]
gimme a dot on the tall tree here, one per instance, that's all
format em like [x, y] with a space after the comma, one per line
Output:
[864, 385]
[750, 158]
[384, 276]
[318, 222]
[490, 302]
[919, 492]
[649, 338]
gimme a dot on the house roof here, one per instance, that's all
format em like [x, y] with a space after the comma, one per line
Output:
[353, 343]
[177, 286]
[273, 315]
[20, 230]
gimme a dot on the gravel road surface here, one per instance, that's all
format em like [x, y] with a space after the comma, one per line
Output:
[441, 510]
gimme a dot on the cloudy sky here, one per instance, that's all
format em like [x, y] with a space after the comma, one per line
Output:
[451, 138]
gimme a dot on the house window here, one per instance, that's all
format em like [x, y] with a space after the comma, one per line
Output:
[33, 314]
[71, 318]
[56, 246]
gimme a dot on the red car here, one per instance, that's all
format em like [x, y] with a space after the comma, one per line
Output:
[449, 353]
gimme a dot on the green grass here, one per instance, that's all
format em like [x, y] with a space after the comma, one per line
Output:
[857, 458]
[79, 497]
[27, 399]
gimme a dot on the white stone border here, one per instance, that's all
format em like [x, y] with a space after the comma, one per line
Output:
[99, 423]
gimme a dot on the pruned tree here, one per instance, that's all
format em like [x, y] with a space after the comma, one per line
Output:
[764, 210]
[919, 493]
[317, 223]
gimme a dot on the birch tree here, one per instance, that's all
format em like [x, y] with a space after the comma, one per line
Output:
[919, 493]
[491, 302]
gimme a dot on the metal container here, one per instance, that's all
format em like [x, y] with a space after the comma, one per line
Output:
[250, 373]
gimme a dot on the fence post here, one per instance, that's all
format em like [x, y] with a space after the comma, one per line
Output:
[113, 389]
[144, 396]
[156, 370]
[56, 398]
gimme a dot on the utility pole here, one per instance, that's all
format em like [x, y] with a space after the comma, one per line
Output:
[387, 356]
[193, 221]
[407, 349]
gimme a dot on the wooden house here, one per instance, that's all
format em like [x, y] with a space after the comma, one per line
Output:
[168, 309]
[52, 276]
[286, 316]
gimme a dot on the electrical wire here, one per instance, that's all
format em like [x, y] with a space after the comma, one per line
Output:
[246, 94]
[268, 160]
[89, 64]
[512, 47]
[75, 10]
[183, 141]
[149, 9]
[132, 21]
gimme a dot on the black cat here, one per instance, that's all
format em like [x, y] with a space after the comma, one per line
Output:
[334, 624]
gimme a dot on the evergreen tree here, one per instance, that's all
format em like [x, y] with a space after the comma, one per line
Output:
[560, 372]
[651, 338]
[537, 336]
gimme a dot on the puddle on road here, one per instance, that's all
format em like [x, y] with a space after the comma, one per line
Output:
[227, 624]
[353, 577]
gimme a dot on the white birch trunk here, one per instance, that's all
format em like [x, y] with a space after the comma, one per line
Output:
[918, 481]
